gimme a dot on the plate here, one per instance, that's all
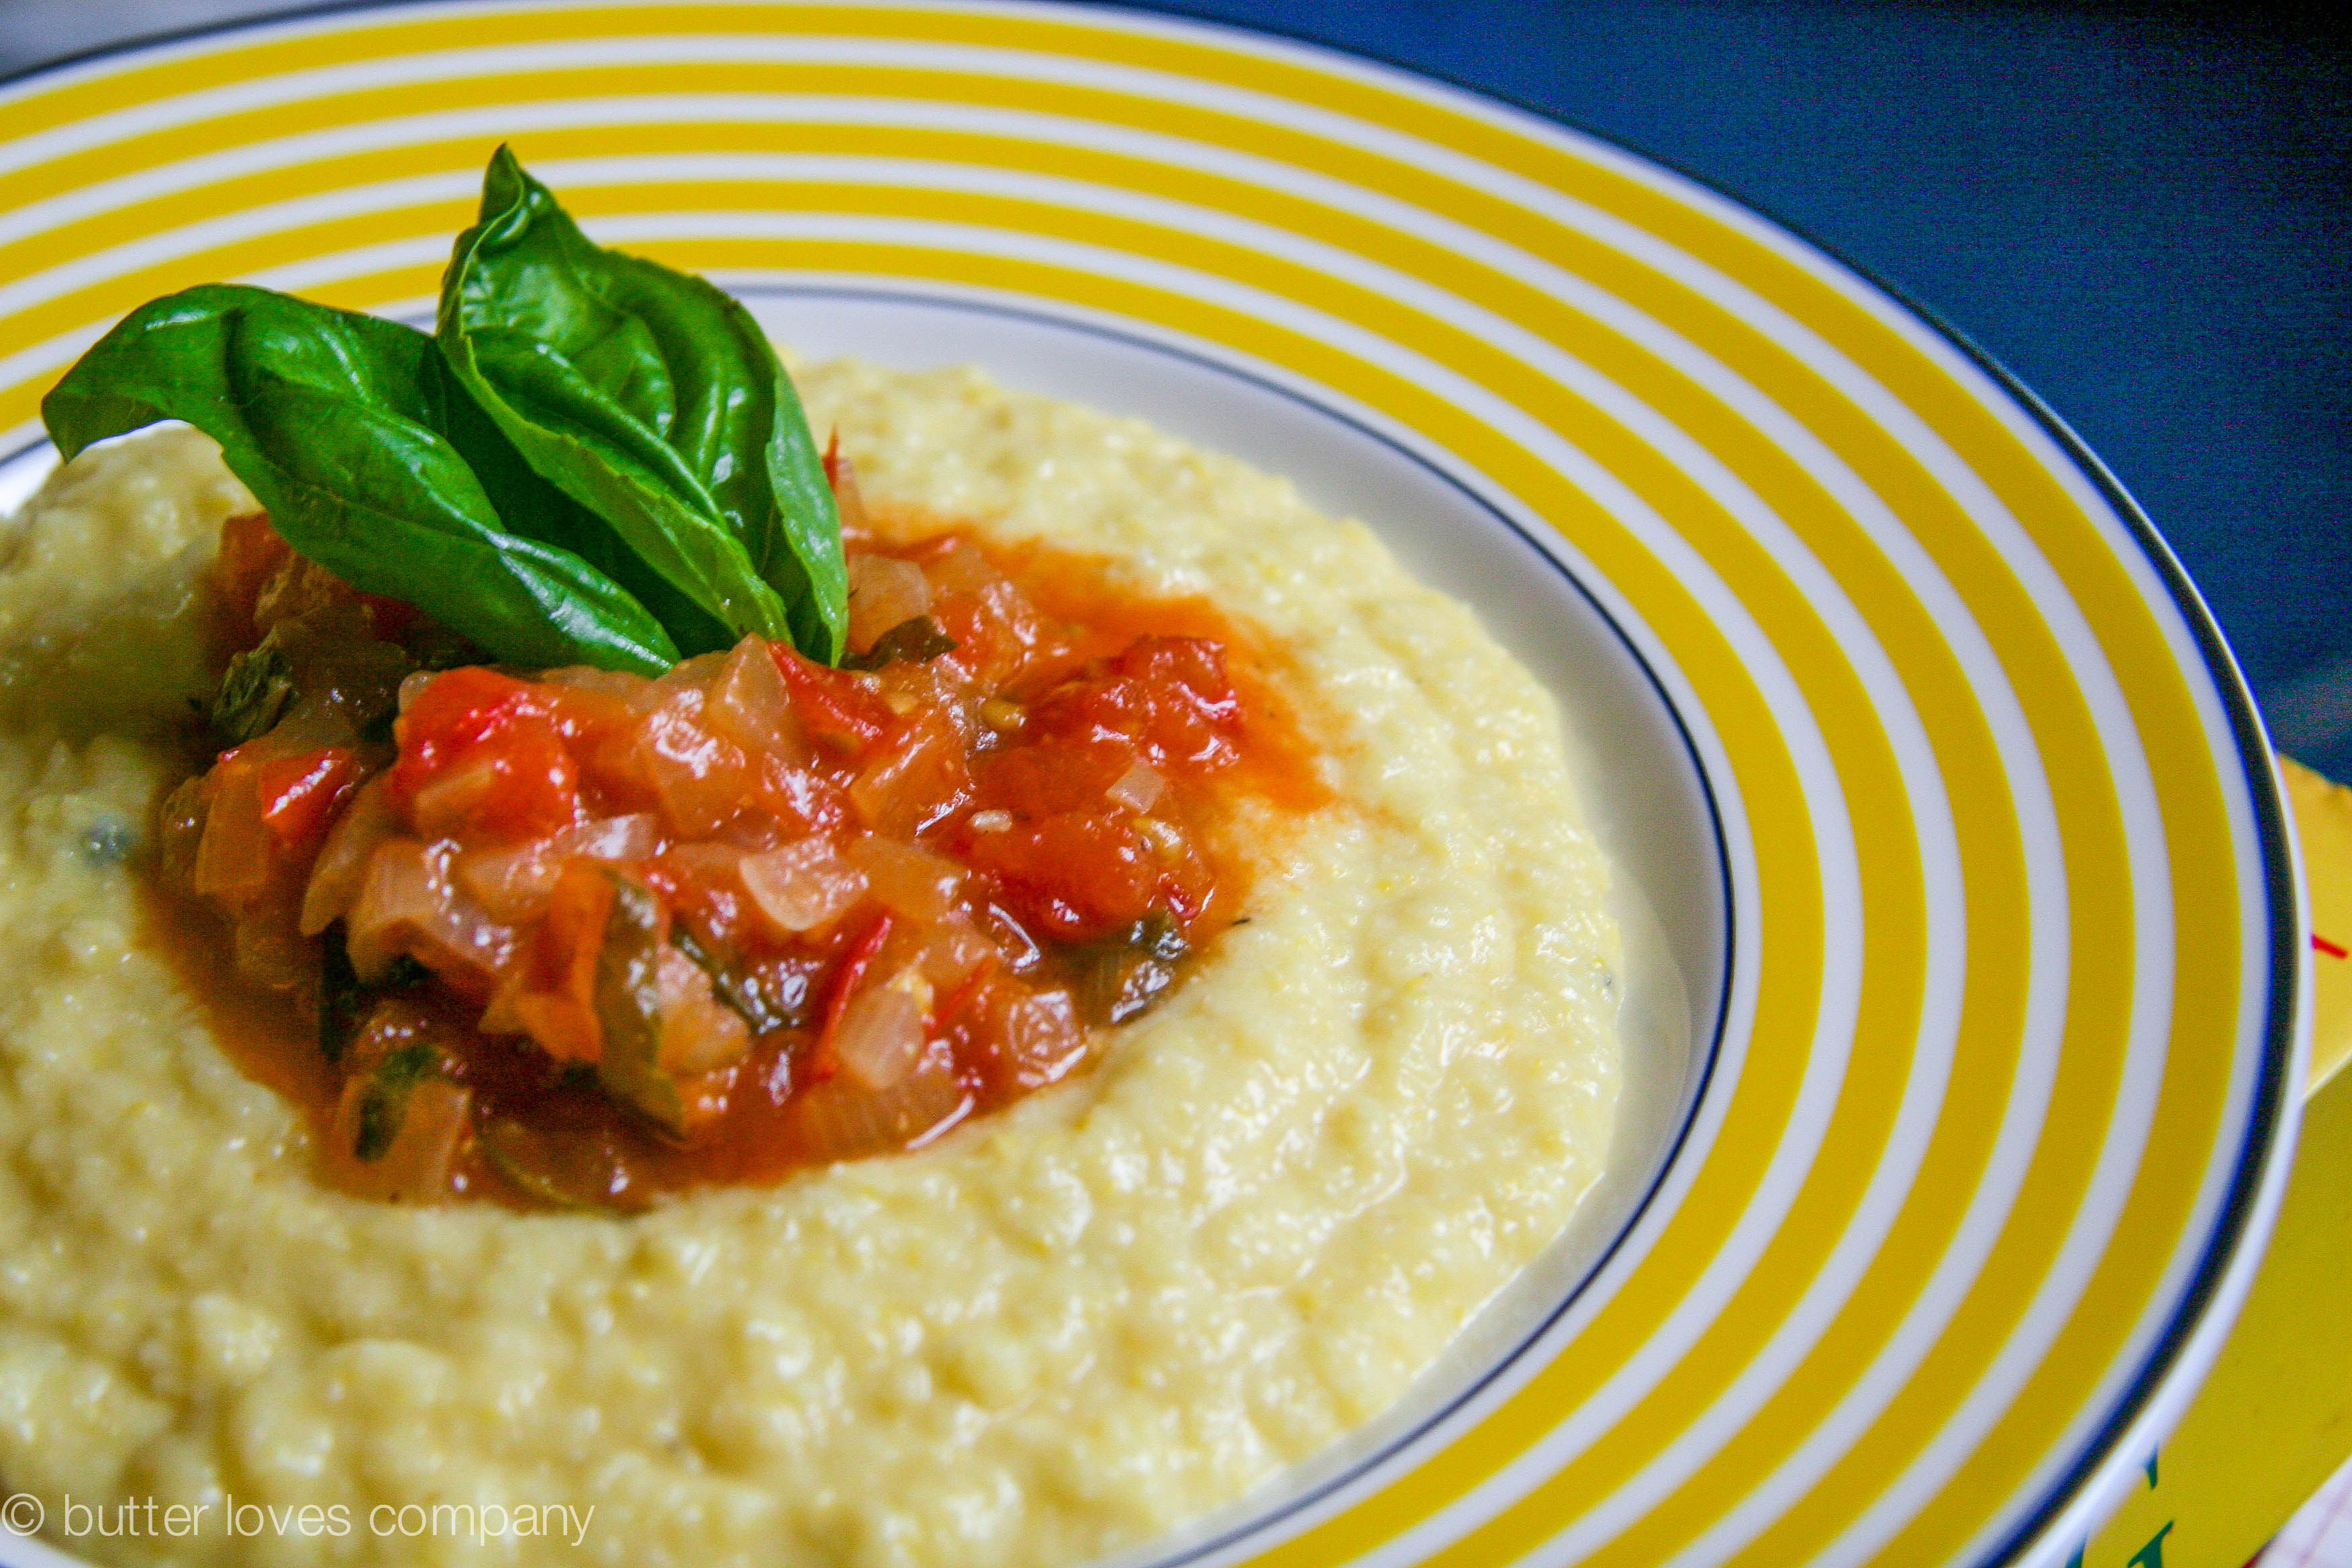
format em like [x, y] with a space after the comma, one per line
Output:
[1963, 1103]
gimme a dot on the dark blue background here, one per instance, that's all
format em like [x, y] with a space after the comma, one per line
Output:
[2141, 211]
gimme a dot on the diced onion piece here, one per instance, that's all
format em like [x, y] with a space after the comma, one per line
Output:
[367, 821]
[707, 862]
[513, 885]
[698, 1034]
[1016, 948]
[1167, 840]
[906, 878]
[419, 680]
[960, 568]
[880, 1035]
[475, 950]
[1042, 1034]
[407, 904]
[629, 689]
[991, 821]
[702, 779]
[636, 836]
[1138, 788]
[698, 672]
[952, 951]
[914, 784]
[416, 1167]
[884, 592]
[841, 1118]
[750, 706]
[395, 896]
[801, 887]
[443, 804]
[316, 723]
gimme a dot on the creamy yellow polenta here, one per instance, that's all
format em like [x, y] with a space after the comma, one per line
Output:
[1060, 1331]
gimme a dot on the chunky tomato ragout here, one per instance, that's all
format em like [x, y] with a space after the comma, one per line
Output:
[575, 938]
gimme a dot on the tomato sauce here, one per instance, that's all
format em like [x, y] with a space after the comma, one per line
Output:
[579, 939]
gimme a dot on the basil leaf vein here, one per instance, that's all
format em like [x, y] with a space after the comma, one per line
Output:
[654, 400]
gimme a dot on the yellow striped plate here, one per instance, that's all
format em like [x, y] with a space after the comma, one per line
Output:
[1956, 815]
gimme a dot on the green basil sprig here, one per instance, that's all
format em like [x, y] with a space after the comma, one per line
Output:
[371, 461]
[593, 460]
[654, 400]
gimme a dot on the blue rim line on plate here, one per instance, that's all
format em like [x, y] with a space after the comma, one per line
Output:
[1698, 1082]
[2262, 1149]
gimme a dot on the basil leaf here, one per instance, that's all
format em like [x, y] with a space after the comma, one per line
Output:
[570, 1169]
[255, 692]
[1127, 972]
[628, 1004]
[916, 640]
[370, 460]
[342, 1001]
[737, 992]
[654, 400]
[383, 1100]
[529, 505]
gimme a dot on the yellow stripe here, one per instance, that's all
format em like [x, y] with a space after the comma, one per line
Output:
[1842, 1185]
[2204, 898]
[2100, 808]
[1892, 978]
[1121, 173]
[1771, 1083]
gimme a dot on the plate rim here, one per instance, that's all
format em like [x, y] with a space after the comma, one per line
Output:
[2208, 1298]
[1703, 1056]
[2239, 1234]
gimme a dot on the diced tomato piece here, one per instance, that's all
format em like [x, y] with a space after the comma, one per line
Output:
[1195, 665]
[1014, 1040]
[832, 702]
[1053, 776]
[527, 784]
[1000, 639]
[519, 784]
[700, 880]
[252, 552]
[1168, 698]
[457, 709]
[539, 790]
[1074, 876]
[299, 793]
